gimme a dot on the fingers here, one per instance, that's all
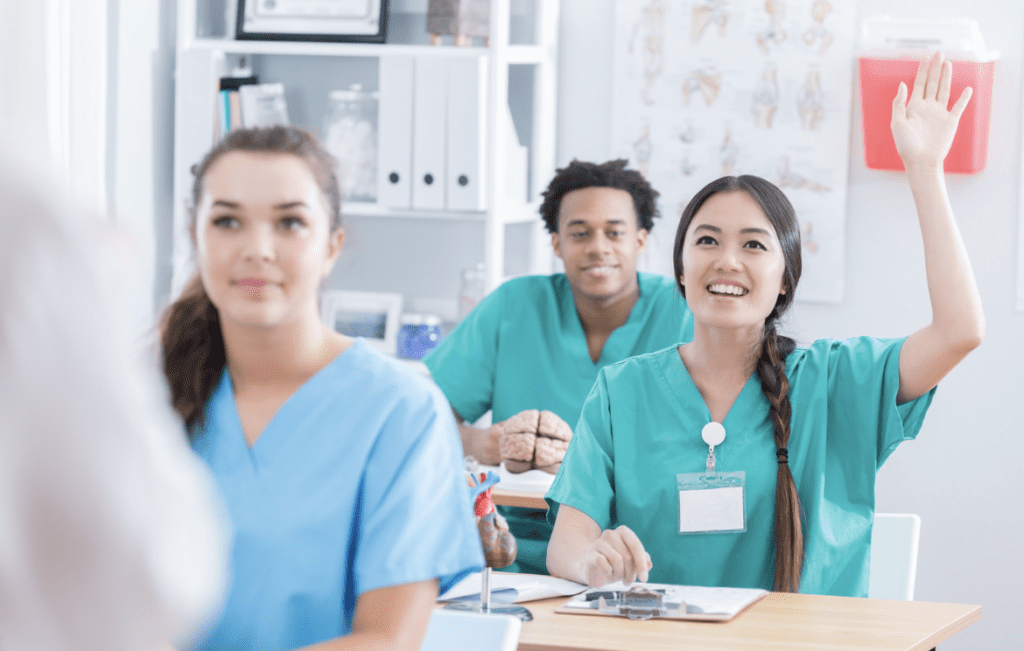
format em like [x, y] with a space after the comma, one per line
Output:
[599, 570]
[961, 104]
[899, 103]
[945, 78]
[639, 559]
[935, 66]
[922, 77]
[618, 555]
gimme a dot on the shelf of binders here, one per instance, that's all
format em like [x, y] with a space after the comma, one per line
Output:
[502, 103]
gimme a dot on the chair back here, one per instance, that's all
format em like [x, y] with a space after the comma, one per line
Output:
[455, 630]
[894, 540]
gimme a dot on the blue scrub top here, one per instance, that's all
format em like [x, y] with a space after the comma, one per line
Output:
[523, 347]
[641, 425]
[356, 484]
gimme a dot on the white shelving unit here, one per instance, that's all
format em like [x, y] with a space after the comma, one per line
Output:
[508, 237]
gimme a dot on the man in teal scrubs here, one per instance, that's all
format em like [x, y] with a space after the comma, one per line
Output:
[538, 342]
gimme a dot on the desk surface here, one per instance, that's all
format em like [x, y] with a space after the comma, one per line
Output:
[530, 500]
[790, 622]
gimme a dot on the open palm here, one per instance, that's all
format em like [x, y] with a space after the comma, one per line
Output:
[923, 128]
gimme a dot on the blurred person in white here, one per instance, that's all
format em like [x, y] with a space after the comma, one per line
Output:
[111, 534]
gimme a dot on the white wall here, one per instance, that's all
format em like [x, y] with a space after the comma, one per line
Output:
[142, 83]
[963, 473]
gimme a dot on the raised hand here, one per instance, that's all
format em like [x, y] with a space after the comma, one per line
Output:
[923, 128]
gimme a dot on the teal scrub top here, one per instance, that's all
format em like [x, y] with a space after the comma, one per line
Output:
[523, 347]
[641, 425]
[355, 484]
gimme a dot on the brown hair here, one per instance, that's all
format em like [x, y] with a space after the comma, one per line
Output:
[192, 344]
[771, 363]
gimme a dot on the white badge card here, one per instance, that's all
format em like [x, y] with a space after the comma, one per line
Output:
[712, 502]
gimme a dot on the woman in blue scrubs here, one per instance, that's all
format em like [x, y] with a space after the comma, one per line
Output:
[738, 459]
[341, 470]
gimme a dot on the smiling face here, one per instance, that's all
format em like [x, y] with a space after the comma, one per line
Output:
[263, 240]
[598, 240]
[732, 263]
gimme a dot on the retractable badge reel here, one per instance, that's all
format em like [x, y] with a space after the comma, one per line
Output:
[712, 501]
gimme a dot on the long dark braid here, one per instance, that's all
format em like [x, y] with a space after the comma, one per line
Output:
[771, 362]
[789, 538]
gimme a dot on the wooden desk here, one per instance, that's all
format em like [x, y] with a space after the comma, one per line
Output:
[779, 622]
[529, 500]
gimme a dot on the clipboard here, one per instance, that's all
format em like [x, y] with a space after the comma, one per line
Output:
[641, 601]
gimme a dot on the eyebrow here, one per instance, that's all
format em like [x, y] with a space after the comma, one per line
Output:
[715, 229]
[580, 222]
[281, 206]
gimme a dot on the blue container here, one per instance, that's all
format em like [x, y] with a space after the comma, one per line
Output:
[418, 335]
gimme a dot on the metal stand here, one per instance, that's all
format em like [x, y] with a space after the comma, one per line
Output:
[484, 605]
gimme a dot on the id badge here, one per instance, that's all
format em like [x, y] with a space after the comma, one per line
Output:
[712, 502]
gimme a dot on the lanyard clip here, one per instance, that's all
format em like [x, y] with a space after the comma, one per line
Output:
[711, 458]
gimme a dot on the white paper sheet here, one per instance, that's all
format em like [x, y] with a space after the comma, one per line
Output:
[510, 587]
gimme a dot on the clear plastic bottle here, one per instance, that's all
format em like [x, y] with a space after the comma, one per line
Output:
[350, 134]
[472, 289]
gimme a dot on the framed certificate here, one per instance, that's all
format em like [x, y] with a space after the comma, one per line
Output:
[363, 21]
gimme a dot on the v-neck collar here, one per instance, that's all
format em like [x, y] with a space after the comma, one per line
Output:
[617, 346]
[744, 409]
[275, 434]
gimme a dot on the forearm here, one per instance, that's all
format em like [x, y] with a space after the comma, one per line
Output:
[392, 619]
[571, 539]
[957, 318]
[365, 641]
[479, 443]
[475, 444]
[565, 559]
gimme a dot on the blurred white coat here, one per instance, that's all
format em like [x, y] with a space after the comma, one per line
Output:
[111, 535]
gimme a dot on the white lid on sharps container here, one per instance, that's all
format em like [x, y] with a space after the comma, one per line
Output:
[959, 38]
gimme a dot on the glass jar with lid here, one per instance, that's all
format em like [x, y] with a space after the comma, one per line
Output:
[418, 335]
[350, 134]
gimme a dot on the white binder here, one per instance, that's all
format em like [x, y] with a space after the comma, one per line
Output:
[429, 138]
[467, 134]
[394, 157]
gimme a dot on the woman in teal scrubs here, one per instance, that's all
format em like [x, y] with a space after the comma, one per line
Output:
[538, 342]
[341, 470]
[807, 427]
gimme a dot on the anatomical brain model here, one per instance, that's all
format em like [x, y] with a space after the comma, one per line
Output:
[534, 439]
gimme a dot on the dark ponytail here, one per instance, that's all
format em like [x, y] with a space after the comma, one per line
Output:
[192, 344]
[193, 352]
[771, 361]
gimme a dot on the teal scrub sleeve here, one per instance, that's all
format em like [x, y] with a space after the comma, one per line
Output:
[586, 480]
[415, 520]
[464, 364]
[865, 380]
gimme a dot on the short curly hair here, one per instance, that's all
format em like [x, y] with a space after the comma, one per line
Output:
[578, 175]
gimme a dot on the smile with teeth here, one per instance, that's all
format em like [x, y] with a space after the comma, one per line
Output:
[728, 290]
[599, 271]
